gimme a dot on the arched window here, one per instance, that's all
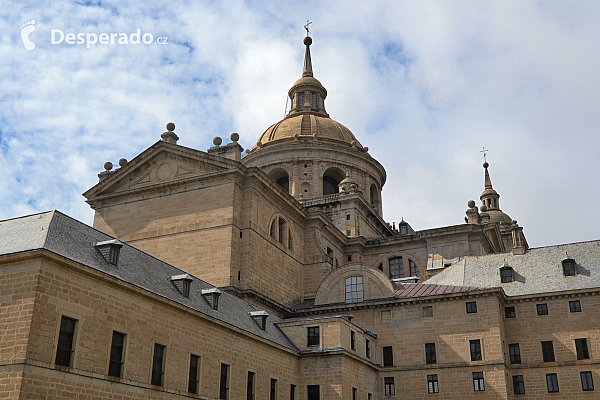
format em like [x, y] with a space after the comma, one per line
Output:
[374, 195]
[273, 228]
[281, 177]
[279, 231]
[331, 179]
[414, 271]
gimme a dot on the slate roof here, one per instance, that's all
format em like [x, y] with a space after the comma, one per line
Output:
[538, 271]
[69, 238]
[407, 290]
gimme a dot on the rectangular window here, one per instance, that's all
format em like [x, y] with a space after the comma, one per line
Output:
[430, 356]
[542, 309]
[548, 351]
[478, 384]
[388, 356]
[353, 340]
[581, 346]
[471, 307]
[224, 382]
[313, 392]
[475, 347]
[292, 392]
[575, 306]
[369, 396]
[509, 312]
[396, 267]
[273, 391]
[368, 348]
[518, 384]
[354, 394]
[515, 353]
[115, 365]
[587, 383]
[158, 365]
[347, 217]
[354, 289]
[390, 388]
[428, 312]
[300, 100]
[432, 384]
[64, 349]
[506, 275]
[313, 336]
[194, 374]
[552, 382]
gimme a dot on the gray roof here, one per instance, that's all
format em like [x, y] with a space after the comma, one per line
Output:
[538, 271]
[69, 238]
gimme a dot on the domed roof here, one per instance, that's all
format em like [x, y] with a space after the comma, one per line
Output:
[308, 126]
[499, 216]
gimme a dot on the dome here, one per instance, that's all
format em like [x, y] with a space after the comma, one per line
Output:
[499, 216]
[305, 127]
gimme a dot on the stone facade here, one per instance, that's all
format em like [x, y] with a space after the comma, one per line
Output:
[277, 274]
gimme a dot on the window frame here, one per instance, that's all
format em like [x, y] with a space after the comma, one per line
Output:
[552, 383]
[116, 358]
[352, 340]
[542, 309]
[66, 342]
[477, 352]
[224, 381]
[389, 386]
[471, 307]
[354, 289]
[194, 374]
[514, 353]
[510, 312]
[313, 396]
[313, 336]
[518, 384]
[430, 353]
[398, 267]
[388, 356]
[548, 351]
[433, 385]
[367, 348]
[587, 381]
[574, 306]
[582, 349]
[478, 381]
[158, 374]
[273, 389]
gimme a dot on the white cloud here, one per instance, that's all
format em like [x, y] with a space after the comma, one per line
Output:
[424, 84]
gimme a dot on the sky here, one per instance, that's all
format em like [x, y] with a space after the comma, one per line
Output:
[425, 85]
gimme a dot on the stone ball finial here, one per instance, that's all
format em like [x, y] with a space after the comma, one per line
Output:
[485, 164]
[170, 127]
[108, 165]
[122, 162]
[471, 203]
[234, 137]
[217, 141]
[307, 40]
[483, 208]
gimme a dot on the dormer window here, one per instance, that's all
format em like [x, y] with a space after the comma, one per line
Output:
[260, 317]
[212, 297]
[182, 283]
[110, 250]
[506, 274]
[568, 265]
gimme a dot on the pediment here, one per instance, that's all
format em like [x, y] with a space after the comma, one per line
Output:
[159, 165]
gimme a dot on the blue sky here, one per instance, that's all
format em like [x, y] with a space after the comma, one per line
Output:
[425, 85]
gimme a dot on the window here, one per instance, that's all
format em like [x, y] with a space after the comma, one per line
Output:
[568, 265]
[506, 274]
[273, 391]
[587, 384]
[414, 271]
[64, 349]
[396, 268]
[347, 217]
[194, 374]
[313, 336]
[542, 309]
[552, 382]
[548, 351]
[475, 347]
[354, 289]
[115, 365]
[575, 306]
[284, 182]
[224, 382]
[300, 100]
[313, 392]
[292, 392]
[113, 254]
[432, 384]
[515, 353]
[478, 384]
[390, 388]
[388, 356]
[313, 100]
[354, 393]
[471, 307]
[369, 396]
[518, 384]
[158, 365]
[581, 346]
[353, 340]
[281, 230]
[427, 311]
[349, 258]
[368, 348]
[430, 356]
[509, 312]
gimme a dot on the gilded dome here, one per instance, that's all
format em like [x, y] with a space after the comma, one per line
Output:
[308, 126]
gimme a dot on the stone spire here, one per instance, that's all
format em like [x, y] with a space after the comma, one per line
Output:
[490, 200]
[488, 181]
[307, 70]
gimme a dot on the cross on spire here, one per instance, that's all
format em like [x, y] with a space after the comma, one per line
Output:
[306, 27]
[484, 151]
